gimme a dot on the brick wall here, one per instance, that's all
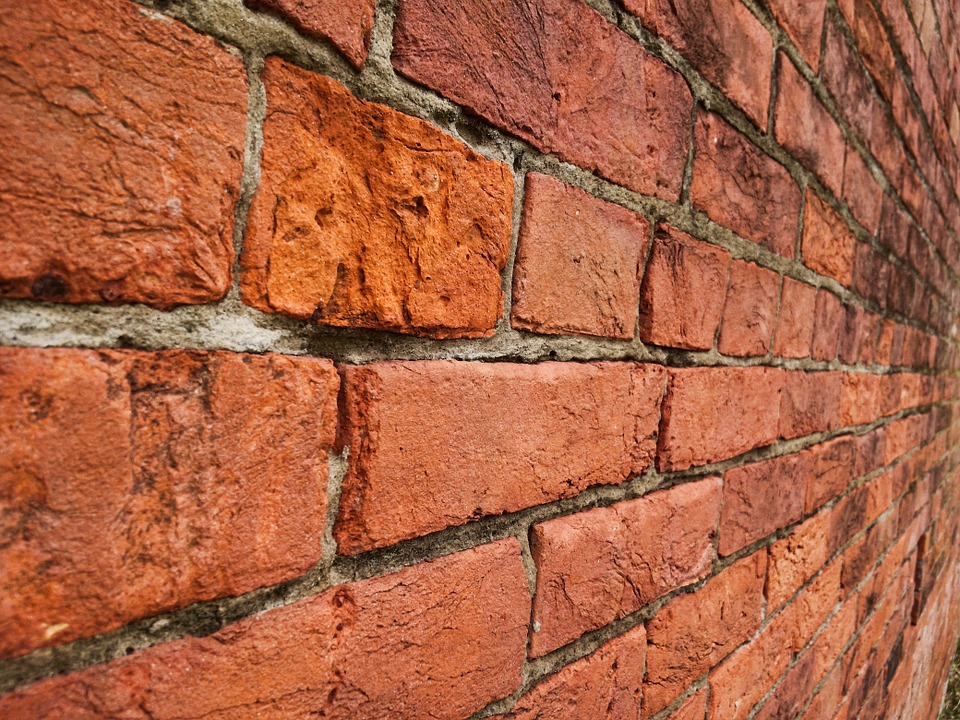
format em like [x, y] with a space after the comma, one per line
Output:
[432, 359]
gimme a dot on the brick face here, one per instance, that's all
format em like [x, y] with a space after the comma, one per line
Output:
[533, 69]
[598, 566]
[435, 444]
[106, 148]
[463, 636]
[167, 490]
[368, 218]
[578, 263]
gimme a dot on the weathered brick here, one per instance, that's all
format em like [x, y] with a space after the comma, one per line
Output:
[695, 432]
[139, 482]
[682, 294]
[803, 21]
[598, 566]
[578, 262]
[122, 137]
[720, 38]
[804, 127]
[346, 24]
[438, 443]
[794, 559]
[560, 76]
[831, 470]
[871, 274]
[809, 403]
[365, 217]
[739, 186]
[749, 311]
[859, 394]
[828, 244]
[861, 191]
[794, 332]
[871, 38]
[826, 326]
[607, 683]
[760, 498]
[693, 708]
[452, 632]
[693, 632]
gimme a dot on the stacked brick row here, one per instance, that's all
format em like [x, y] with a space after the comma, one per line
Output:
[736, 499]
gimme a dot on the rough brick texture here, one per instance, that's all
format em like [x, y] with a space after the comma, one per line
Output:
[435, 444]
[368, 218]
[184, 476]
[122, 136]
[584, 359]
[458, 624]
[535, 69]
[578, 263]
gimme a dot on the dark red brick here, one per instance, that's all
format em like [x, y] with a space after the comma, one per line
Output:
[598, 566]
[578, 263]
[371, 218]
[122, 137]
[741, 187]
[861, 191]
[720, 38]
[438, 443]
[452, 632]
[760, 498]
[804, 127]
[681, 297]
[750, 310]
[558, 75]
[346, 24]
[695, 431]
[137, 483]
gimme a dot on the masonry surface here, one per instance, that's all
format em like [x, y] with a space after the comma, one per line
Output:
[536, 360]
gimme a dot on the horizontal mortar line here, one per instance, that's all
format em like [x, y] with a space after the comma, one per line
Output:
[205, 617]
[450, 115]
[231, 326]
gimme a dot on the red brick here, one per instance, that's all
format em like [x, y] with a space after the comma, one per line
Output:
[871, 38]
[698, 409]
[140, 482]
[578, 262]
[598, 566]
[858, 398]
[794, 332]
[831, 466]
[809, 403]
[346, 24]
[794, 559]
[693, 632]
[871, 274]
[452, 632]
[750, 671]
[857, 336]
[895, 230]
[438, 443]
[861, 191]
[826, 326]
[741, 187]
[720, 38]
[371, 218]
[760, 498]
[825, 703]
[750, 310]
[605, 684]
[693, 708]
[805, 128]
[681, 297]
[560, 76]
[828, 244]
[803, 21]
[123, 138]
